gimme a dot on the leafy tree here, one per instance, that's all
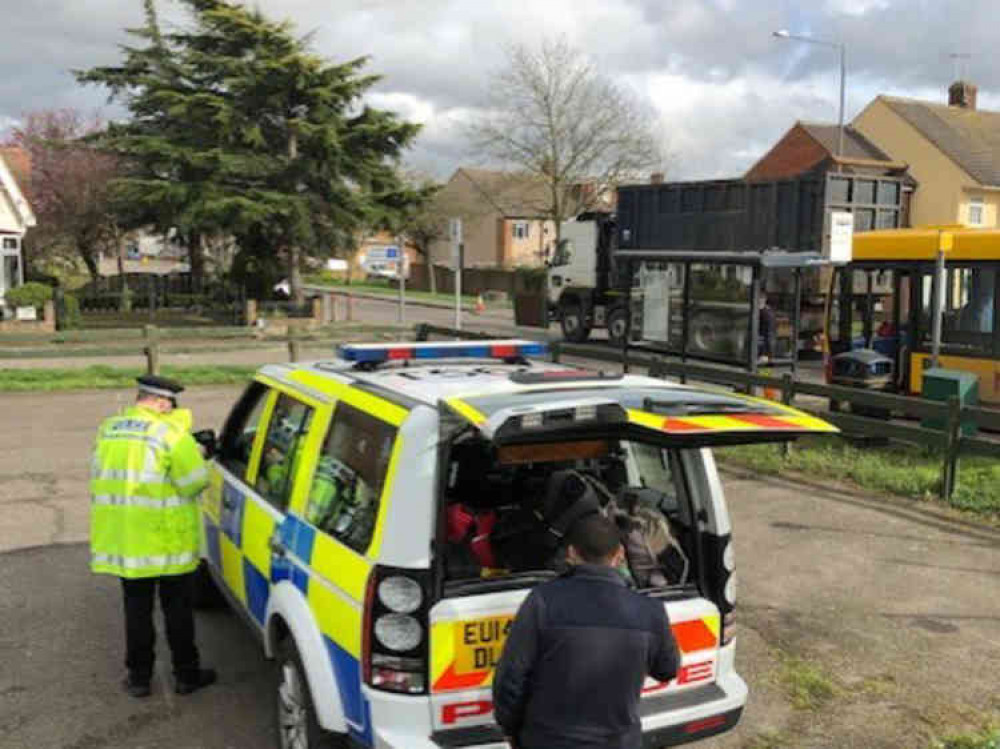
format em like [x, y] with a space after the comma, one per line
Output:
[552, 115]
[238, 128]
[68, 183]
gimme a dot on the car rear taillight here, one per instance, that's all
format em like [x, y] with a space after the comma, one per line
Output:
[395, 637]
[729, 594]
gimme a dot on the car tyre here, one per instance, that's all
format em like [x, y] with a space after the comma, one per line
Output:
[295, 713]
[574, 326]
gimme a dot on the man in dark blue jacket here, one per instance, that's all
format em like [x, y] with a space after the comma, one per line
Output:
[579, 650]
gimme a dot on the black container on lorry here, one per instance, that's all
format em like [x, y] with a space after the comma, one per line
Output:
[737, 215]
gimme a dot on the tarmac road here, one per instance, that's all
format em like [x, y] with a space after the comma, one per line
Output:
[896, 608]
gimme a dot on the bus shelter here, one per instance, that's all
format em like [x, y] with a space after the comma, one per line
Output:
[711, 306]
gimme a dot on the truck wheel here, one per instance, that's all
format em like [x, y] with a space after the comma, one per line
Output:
[574, 325]
[295, 715]
[206, 593]
[617, 326]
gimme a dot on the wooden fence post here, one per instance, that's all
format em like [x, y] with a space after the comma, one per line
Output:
[787, 397]
[953, 439]
[151, 349]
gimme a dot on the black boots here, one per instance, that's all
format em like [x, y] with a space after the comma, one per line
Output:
[137, 688]
[195, 680]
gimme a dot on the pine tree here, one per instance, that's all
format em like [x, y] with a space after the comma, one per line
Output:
[238, 128]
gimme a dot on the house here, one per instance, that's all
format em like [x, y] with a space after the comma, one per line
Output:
[16, 218]
[952, 150]
[503, 219]
[811, 147]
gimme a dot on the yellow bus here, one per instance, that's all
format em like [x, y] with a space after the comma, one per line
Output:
[885, 300]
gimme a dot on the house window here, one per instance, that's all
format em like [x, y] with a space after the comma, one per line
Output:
[521, 229]
[975, 211]
[10, 243]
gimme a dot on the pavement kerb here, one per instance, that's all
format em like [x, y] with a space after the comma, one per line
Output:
[942, 518]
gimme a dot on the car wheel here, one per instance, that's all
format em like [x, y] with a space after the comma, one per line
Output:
[617, 326]
[206, 593]
[295, 715]
[574, 326]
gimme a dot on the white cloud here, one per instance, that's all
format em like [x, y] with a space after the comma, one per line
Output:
[724, 87]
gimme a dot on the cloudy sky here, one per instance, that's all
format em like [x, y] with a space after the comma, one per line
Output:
[723, 87]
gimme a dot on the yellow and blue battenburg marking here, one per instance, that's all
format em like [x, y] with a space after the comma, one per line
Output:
[332, 579]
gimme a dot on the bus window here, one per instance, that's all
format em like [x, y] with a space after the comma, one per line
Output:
[969, 310]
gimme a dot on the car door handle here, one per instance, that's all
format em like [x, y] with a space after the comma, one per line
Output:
[277, 547]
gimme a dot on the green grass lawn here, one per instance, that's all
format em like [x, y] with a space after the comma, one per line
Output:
[385, 289]
[902, 470]
[102, 377]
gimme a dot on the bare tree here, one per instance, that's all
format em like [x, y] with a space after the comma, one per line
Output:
[555, 117]
[425, 220]
[68, 183]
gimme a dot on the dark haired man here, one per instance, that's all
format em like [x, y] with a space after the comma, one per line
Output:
[579, 650]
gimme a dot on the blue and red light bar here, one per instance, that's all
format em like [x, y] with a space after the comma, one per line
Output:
[377, 353]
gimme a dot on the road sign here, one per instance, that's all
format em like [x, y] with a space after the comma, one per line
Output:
[382, 254]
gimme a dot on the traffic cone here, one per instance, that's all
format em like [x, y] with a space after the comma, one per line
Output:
[480, 304]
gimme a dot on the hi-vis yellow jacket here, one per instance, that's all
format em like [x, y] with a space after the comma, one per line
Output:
[146, 475]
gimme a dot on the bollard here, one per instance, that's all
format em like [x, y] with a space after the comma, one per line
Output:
[350, 307]
[293, 345]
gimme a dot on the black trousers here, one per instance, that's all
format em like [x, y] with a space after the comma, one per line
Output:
[176, 597]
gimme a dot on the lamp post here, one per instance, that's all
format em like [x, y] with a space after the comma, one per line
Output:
[785, 34]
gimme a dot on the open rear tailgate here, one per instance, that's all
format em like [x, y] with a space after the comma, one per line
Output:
[671, 416]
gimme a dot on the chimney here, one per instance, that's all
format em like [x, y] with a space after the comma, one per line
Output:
[656, 178]
[962, 94]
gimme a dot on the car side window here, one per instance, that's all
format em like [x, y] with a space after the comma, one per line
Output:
[241, 429]
[283, 448]
[347, 486]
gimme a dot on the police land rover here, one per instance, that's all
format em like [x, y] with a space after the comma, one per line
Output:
[379, 517]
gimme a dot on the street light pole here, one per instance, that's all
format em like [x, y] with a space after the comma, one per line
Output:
[784, 34]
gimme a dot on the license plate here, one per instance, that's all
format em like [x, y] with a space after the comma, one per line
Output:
[479, 642]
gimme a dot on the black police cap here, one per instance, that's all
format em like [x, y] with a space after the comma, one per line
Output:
[161, 386]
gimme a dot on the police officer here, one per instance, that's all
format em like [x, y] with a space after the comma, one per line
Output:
[579, 650]
[146, 475]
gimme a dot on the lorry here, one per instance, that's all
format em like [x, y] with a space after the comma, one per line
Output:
[588, 287]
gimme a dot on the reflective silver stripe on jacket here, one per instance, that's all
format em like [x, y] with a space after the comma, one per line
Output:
[139, 563]
[154, 442]
[122, 500]
[194, 477]
[124, 474]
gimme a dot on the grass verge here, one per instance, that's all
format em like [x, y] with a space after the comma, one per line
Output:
[896, 469]
[103, 377]
[387, 290]
[988, 738]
